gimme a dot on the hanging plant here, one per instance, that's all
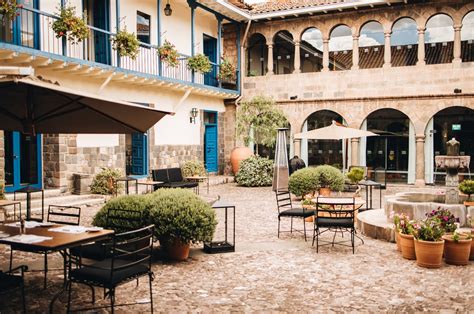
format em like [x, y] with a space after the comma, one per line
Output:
[70, 26]
[226, 70]
[199, 63]
[9, 8]
[126, 44]
[168, 54]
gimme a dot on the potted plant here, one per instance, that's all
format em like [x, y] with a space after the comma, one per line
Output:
[429, 244]
[406, 228]
[355, 175]
[396, 223]
[199, 63]
[126, 44]
[181, 218]
[457, 248]
[329, 179]
[168, 54]
[9, 8]
[255, 171]
[70, 26]
[226, 71]
[192, 168]
[470, 223]
[446, 219]
[303, 182]
[467, 187]
[104, 182]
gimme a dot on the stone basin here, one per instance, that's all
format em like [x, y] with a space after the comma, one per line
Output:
[417, 204]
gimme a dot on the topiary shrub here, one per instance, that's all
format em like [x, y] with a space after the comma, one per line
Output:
[140, 203]
[181, 214]
[193, 168]
[103, 182]
[329, 177]
[255, 171]
[355, 175]
[467, 187]
[303, 181]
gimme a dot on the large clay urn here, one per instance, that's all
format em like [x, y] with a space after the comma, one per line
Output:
[237, 155]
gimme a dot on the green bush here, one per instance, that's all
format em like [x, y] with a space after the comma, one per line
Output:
[181, 214]
[355, 175]
[103, 182]
[467, 187]
[193, 168]
[303, 181]
[330, 177]
[2, 190]
[140, 203]
[255, 171]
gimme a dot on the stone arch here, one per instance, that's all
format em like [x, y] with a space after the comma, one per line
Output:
[256, 55]
[311, 111]
[444, 12]
[384, 107]
[283, 52]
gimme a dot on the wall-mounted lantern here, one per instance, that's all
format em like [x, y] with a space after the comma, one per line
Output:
[194, 113]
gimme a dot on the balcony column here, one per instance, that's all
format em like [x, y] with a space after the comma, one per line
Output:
[421, 47]
[270, 59]
[297, 61]
[64, 40]
[355, 53]
[240, 48]
[387, 51]
[193, 6]
[457, 44]
[420, 160]
[219, 38]
[355, 151]
[117, 26]
[158, 30]
[325, 55]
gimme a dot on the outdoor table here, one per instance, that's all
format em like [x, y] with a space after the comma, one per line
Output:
[59, 242]
[199, 179]
[148, 184]
[4, 203]
[369, 185]
[126, 179]
[28, 190]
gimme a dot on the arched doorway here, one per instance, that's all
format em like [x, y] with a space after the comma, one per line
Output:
[439, 39]
[311, 51]
[404, 42]
[283, 53]
[322, 152]
[457, 122]
[257, 53]
[390, 151]
[340, 48]
[371, 45]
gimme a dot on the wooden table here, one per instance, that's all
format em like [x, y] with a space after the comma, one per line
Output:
[60, 242]
[199, 179]
[149, 184]
[28, 190]
[4, 203]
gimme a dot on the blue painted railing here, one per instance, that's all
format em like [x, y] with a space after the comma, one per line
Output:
[32, 29]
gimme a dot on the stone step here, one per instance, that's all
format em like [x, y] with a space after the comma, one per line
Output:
[37, 195]
[373, 223]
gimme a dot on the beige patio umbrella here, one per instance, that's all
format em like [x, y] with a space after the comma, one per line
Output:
[335, 131]
[32, 105]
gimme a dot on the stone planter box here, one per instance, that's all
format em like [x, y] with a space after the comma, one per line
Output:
[81, 183]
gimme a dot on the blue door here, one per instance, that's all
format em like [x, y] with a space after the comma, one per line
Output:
[99, 12]
[139, 155]
[22, 160]
[210, 50]
[210, 142]
[26, 25]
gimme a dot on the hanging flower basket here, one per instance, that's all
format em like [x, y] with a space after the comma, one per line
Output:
[70, 26]
[226, 71]
[199, 63]
[126, 44]
[9, 8]
[168, 54]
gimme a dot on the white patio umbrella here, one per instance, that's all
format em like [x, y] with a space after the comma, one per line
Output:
[335, 131]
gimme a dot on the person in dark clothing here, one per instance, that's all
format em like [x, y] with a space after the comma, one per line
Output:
[296, 163]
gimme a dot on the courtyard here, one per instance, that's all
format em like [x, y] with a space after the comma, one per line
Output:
[267, 274]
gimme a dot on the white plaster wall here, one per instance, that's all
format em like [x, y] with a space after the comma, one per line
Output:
[97, 140]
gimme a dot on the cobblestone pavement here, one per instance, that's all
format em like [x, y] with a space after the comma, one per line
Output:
[270, 274]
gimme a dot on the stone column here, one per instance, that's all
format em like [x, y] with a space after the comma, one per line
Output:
[387, 54]
[297, 61]
[421, 47]
[420, 160]
[325, 55]
[270, 59]
[457, 44]
[355, 151]
[297, 147]
[355, 53]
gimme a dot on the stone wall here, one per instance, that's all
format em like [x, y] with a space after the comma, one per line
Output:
[168, 156]
[229, 136]
[54, 149]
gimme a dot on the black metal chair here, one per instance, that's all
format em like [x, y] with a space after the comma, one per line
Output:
[10, 281]
[286, 209]
[66, 215]
[335, 214]
[131, 254]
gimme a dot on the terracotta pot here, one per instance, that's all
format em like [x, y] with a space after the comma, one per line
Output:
[397, 240]
[407, 246]
[471, 257]
[237, 155]
[175, 249]
[456, 253]
[324, 192]
[309, 207]
[429, 254]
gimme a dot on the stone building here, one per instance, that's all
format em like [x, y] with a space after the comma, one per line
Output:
[402, 69]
